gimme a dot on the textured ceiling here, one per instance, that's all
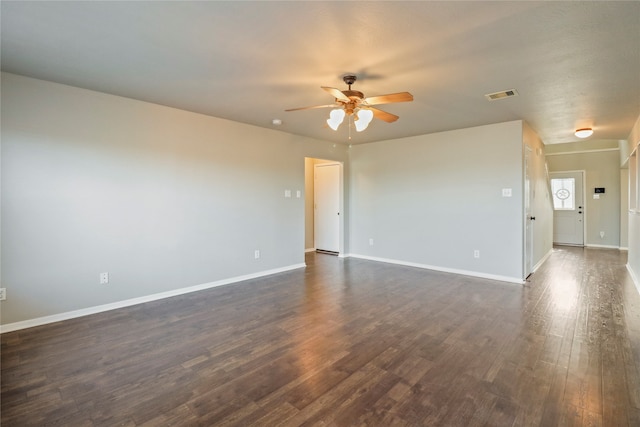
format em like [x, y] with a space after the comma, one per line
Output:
[574, 64]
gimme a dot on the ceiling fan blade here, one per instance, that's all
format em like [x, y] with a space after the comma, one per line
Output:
[315, 106]
[336, 93]
[388, 99]
[383, 115]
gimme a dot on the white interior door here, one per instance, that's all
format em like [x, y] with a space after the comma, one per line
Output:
[327, 206]
[568, 207]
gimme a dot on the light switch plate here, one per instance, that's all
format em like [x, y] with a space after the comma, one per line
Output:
[506, 192]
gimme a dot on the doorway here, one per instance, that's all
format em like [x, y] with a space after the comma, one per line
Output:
[567, 189]
[324, 223]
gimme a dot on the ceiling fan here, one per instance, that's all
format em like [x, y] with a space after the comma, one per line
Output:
[353, 103]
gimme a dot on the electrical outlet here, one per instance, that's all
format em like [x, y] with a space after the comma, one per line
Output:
[602, 234]
[476, 253]
[3, 294]
[104, 278]
[256, 254]
[370, 242]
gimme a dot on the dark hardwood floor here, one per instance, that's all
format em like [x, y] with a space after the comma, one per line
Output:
[346, 342]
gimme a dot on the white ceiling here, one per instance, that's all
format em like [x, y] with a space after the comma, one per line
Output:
[574, 64]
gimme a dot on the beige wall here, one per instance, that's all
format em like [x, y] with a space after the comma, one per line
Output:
[162, 199]
[165, 199]
[432, 200]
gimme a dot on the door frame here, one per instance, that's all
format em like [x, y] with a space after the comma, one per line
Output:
[341, 220]
[529, 232]
[584, 203]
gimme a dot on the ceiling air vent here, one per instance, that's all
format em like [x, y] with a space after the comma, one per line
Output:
[501, 95]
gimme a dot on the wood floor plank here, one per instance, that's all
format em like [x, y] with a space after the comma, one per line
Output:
[346, 342]
[503, 413]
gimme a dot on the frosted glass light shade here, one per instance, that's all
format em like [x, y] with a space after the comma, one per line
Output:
[335, 118]
[584, 132]
[363, 118]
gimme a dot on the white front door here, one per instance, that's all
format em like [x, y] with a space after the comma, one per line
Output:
[568, 208]
[327, 206]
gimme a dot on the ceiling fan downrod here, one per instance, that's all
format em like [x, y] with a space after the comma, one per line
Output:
[349, 79]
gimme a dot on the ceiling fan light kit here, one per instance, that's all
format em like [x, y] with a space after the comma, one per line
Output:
[353, 104]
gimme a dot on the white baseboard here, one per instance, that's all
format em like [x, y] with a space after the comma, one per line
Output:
[623, 248]
[544, 258]
[589, 245]
[340, 254]
[634, 278]
[10, 327]
[443, 269]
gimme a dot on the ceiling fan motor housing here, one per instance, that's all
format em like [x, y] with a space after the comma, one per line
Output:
[355, 98]
[349, 79]
[353, 94]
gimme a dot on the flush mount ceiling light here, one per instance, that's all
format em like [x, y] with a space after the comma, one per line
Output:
[353, 105]
[584, 132]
